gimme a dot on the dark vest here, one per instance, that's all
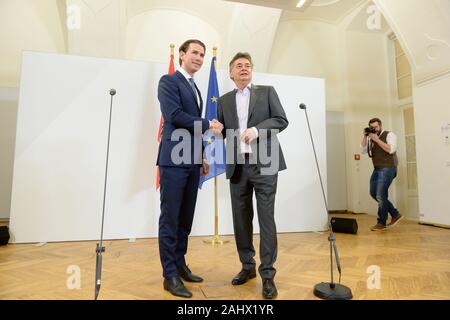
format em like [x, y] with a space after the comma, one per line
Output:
[381, 158]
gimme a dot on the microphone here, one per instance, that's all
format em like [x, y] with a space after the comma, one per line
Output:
[100, 248]
[328, 290]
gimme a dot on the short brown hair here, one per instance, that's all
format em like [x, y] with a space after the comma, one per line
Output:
[185, 46]
[375, 120]
[240, 55]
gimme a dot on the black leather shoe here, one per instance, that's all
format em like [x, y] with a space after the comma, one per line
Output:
[176, 287]
[186, 274]
[269, 289]
[243, 276]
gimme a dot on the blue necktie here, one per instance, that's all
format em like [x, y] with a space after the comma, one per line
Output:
[192, 83]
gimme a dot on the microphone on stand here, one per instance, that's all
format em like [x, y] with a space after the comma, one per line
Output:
[330, 290]
[100, 248]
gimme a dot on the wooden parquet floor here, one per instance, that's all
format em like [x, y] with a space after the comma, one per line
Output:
[413, 260]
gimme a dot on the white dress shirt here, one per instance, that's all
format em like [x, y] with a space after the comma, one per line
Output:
[188, 76]
[242, 106]
[391, 140]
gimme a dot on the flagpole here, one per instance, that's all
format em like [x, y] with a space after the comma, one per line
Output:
[216, 211]
[216, 239]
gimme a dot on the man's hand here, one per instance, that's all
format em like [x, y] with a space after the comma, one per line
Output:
[216, 126]
[205, 169]
[248, 135]
[364, 140]
[374, 137]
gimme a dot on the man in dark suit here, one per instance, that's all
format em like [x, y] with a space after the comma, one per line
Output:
[181, 107]
[252, 116]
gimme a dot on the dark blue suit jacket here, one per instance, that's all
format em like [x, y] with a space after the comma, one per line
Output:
[180, 110]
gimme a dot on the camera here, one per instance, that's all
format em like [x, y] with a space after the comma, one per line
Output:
[369, 130]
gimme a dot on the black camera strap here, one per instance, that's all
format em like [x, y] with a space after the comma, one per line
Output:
[369, 148]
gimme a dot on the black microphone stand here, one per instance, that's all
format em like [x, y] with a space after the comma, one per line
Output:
[331, 290]
[100, 248]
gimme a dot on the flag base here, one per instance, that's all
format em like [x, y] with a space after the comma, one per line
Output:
[216, 240]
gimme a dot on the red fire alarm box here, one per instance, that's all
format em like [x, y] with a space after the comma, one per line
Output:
[357, 157]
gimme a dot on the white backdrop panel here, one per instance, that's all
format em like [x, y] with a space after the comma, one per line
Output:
[61, 152]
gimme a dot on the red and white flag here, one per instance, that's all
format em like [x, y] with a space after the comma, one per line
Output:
[161, 120]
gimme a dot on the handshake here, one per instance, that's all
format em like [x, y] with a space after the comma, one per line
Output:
[215, 126]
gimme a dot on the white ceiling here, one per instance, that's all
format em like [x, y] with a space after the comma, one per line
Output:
[331, 11]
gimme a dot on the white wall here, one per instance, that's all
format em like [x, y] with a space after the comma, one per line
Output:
[97, 28]
[356, 66]
[336, 164]
[27, 25]
[368, 97]
[61, 150]
[432, 112]
[116, 29]
[8, 118]
[423, 29]
[149, 25]
[144, 29]
[309, 48]
[232, 27]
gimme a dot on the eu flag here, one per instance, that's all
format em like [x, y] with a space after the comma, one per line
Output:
[214, 146]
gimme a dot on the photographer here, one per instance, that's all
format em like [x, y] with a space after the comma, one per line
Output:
[381, 147]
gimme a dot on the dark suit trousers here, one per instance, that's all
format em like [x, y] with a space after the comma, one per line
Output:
[179, 187]
[246, 178]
